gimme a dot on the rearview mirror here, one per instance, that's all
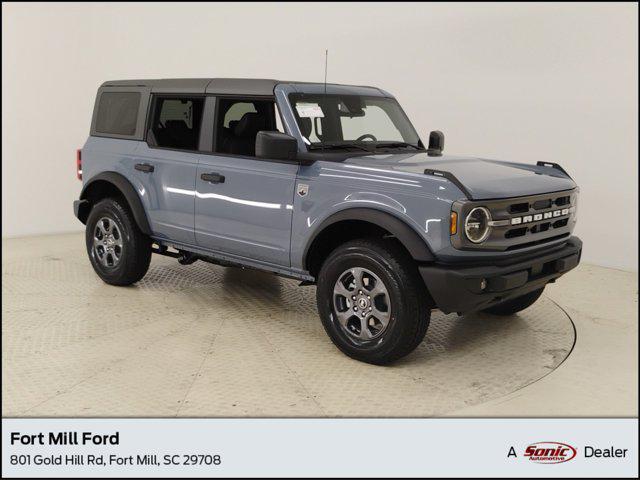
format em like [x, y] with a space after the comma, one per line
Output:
[276, 146]
[436, 143]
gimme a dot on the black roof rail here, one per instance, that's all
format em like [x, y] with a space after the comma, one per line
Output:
[452, 178]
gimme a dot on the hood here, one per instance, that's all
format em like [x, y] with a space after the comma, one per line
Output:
[483, 179]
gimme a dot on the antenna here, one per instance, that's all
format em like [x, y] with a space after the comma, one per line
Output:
[326, 61]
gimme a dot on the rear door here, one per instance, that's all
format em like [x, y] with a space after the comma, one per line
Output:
[243, 204]
[167, 162]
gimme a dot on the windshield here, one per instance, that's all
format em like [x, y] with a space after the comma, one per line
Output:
[353, 121]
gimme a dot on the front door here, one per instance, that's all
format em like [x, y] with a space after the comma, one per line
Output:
[243, 204]
[244, 207]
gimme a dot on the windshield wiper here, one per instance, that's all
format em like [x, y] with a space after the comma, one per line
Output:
[324, 146]
[397, 145]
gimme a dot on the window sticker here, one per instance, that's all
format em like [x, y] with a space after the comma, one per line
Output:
[309, 110]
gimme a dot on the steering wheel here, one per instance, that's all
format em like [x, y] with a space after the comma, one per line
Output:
[366, 135]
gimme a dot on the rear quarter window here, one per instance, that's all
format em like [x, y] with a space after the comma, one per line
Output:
[118, 113]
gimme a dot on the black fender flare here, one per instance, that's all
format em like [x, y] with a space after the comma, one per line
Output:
[406, 235]
[127, 190]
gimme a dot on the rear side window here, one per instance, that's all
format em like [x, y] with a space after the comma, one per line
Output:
[175, 122]
[118, 113]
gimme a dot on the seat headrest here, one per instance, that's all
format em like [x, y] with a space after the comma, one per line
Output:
[249, 125]
[176, 124]
[305, 127]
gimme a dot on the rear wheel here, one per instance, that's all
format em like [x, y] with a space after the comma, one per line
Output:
[515, 305]
[119, 252]
[372, 303]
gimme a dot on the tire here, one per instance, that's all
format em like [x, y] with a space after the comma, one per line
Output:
[404, 311]
[119, 252]
[515, 305]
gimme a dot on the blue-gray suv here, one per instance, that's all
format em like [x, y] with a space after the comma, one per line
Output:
[327, 184]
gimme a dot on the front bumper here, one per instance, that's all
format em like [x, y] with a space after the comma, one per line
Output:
[458, 288]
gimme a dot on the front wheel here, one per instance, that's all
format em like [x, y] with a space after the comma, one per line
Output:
[372, 302]
[119, 252]
[515, 305]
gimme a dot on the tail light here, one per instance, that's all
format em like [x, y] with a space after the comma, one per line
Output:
[79, 164]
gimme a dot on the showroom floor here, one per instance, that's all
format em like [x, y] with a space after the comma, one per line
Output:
[203, 340]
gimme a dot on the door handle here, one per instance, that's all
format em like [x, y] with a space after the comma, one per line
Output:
[212, 177]
[144, 167]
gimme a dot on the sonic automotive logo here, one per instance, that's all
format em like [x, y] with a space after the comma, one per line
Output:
[550, 452]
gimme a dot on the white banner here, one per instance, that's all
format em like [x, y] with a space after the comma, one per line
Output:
[302, 447]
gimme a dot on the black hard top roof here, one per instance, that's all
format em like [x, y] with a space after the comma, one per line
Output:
[221, 86]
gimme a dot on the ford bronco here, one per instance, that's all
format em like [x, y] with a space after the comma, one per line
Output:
[327, 184]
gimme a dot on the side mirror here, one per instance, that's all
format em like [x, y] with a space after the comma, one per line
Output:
[436, 143]
[276, 146]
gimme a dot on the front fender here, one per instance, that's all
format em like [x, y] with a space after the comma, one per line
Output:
[415, 208]
[409, 238]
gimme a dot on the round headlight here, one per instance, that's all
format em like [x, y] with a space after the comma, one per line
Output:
[476, 225]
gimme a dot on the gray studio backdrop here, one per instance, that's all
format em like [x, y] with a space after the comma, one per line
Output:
[524, 82]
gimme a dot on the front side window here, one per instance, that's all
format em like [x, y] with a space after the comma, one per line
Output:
[236, 112]
[176, 122]
[118, 113]
[353, 121]
[239, 121]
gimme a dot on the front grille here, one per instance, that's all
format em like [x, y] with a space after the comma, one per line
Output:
[519, 207]
[541, 204]
[515, 232]
[560, 223]
[543, 227]
[521, 222]
[534, 211]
